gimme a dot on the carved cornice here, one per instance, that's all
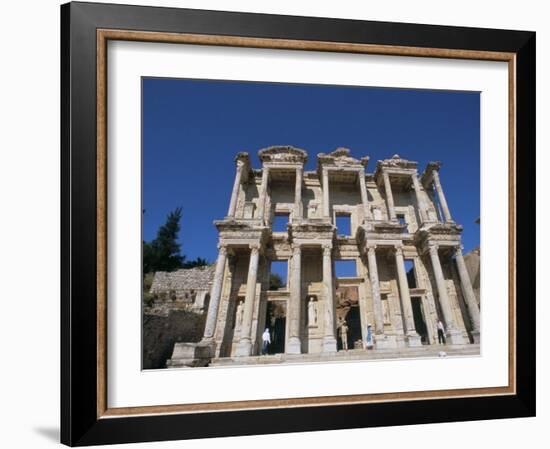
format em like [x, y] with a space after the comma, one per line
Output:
[235, 224]
[283, 154]
[310, 229]
[442, 234]
[341, 157]
[395, 163]
[242, 160]
[242, 157]
[255, 247]
[439, 229]
[427, 177]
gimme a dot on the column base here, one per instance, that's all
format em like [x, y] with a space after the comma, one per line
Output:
[294, 346]
[329, 344]
[191, 354]
[414, 340]
[382, 341]
[456, 337]
[476, 337]
[244, 348]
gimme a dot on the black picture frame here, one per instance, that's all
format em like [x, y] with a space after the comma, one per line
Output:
[80, 423]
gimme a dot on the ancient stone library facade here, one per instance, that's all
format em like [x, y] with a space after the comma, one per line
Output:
[397, 233]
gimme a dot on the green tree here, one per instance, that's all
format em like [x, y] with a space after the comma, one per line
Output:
[198, 262]
[163, 253]
[275, 281]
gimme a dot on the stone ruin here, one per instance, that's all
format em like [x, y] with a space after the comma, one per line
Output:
[398, 218]
[183, 289]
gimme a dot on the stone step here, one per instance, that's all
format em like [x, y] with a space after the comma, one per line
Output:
[428, 351]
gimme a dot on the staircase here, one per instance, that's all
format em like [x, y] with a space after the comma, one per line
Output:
[428, 351]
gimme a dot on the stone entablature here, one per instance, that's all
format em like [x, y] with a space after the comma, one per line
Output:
[395, 219]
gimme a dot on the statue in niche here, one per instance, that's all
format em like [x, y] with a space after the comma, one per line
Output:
[344, 335]
[312, 311]
[312, 209]
[239, 315]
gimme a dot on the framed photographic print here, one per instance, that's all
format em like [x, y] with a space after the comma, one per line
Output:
[280, 224]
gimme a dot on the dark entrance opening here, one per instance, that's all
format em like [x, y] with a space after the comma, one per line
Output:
[353, 321]
[419, 322]
[276, 323]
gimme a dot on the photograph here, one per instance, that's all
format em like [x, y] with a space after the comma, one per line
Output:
[287, 223]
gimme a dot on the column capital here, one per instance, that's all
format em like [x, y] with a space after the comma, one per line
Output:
[398, 250]
[458, 250]
[222, 248]
[371, 246]
[255, 247]
[296, 248]
[327, 249]
[433, 247]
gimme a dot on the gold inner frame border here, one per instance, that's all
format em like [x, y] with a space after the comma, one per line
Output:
[105, 35]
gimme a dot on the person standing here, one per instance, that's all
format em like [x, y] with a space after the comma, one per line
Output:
[440, 332]
[369, 344]
[266, 341]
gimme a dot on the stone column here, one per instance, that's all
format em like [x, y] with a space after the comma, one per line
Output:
[375, 286]
[326, 196]
[364, 197]
[215, 295]
[235, 191]
[406, 306]
[419, 200]
[389, 196]
[441, 196]
[244, 348]
[329, 340]
[468, 292]
[453, 335]
[295, 303]
[298, 209]
[262, 194]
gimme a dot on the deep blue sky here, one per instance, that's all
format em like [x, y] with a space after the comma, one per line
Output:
[192, 130]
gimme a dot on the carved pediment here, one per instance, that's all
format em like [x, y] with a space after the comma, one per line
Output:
[283, 154]
[396, 161]
[340, 157]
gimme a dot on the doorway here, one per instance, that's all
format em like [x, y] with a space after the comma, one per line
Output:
[419, 322]
[353, 321]
[275, 321]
